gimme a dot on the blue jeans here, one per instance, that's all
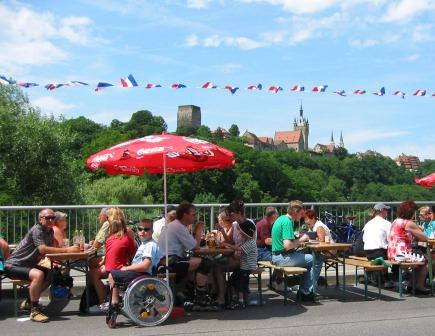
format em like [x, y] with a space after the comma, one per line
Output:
[264, 254]
[301, 260]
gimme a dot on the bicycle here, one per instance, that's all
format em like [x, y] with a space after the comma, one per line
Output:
[341, 231]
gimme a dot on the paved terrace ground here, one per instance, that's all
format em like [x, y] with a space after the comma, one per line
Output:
[331, 316]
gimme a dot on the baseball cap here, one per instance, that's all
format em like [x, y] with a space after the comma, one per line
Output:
[248, 228]
[381, 206]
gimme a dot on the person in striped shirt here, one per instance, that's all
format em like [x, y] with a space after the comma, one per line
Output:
[247, 247]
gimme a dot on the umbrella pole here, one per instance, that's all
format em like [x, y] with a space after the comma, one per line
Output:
[165, 199]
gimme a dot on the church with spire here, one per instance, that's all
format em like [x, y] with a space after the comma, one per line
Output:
[297, 139]
[329, 148]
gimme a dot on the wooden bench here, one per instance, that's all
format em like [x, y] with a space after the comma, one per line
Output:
[287, 271]
[16, 284]
[364, 263]
[406, 266]
[401, 265]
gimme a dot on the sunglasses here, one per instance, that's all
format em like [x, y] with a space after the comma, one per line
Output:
[48, 217]
[144, 229]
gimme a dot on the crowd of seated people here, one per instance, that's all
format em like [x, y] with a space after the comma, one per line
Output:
[273, 238]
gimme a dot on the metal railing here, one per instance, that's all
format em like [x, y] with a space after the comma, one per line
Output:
[15, 221]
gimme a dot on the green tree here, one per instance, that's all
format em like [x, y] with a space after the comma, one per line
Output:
[117, 190]
[143, 123]
[84, 131]
[234, 130]
[187, 130]
[37, 164]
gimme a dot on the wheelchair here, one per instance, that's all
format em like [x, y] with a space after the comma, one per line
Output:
[147, 301]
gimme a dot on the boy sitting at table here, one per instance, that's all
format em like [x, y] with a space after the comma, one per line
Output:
[239, 279]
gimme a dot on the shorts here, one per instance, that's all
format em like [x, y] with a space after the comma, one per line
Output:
[125, 277]
[22, 272]
[239, 279]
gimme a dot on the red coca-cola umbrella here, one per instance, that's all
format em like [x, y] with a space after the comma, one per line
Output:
[163, 154]
[427, 181]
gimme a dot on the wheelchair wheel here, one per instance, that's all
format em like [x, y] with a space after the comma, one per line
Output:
[148, 301]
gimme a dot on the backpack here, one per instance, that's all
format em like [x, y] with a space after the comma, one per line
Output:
[358, 244]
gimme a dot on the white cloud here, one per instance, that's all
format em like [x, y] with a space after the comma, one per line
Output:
[191, 41]
[357, 138]
[408, 9]
[31, 38]
[76, 30]
[50, 105]
[411, 58]
[298, 6]
[199, 4]
[214, 41]
[422, 33]
[229, 67]
[386, 39]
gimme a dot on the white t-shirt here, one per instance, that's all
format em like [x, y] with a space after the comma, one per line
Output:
[179, 239]
[322, 225]
[157, 228]
[148, 249]
[375, 233]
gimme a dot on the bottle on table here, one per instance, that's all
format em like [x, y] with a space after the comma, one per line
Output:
[76, 241]
[81, 241]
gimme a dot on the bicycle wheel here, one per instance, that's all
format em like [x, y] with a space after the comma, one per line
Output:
[148, 301]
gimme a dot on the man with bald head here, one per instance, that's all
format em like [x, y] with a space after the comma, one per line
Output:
[23, 261]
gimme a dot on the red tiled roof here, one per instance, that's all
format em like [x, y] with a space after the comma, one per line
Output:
[266, 139]
[288, 136]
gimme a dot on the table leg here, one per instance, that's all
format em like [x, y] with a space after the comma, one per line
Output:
[365, 284]
[344, 277]
[88, 296]
[400, 282]
[429, 263]
[315, 256]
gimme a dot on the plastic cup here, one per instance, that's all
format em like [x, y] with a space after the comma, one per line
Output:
[327, 240]
[65, 242]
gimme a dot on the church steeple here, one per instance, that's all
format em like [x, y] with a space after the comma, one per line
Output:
[332, 138]
[341, 140]
[303, 125]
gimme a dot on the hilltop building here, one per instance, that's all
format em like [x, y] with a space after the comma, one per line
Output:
[225, 134]
[189, 115]
[330, 148]
[410, 162]
[298, 138]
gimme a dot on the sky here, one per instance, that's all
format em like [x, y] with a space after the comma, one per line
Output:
[347, 45]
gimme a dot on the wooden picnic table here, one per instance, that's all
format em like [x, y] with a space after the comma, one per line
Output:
[318, 247]
[78, 261]
[204, 251]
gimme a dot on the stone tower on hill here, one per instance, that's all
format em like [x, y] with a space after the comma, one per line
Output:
[303, 125]
[189, 115]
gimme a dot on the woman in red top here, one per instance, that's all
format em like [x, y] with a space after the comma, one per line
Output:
[402, 233]
[120, 247]
[100, 272]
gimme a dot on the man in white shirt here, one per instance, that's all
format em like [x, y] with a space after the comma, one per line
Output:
[375, 233]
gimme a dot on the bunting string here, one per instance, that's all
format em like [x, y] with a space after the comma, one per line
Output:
[130, 82]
